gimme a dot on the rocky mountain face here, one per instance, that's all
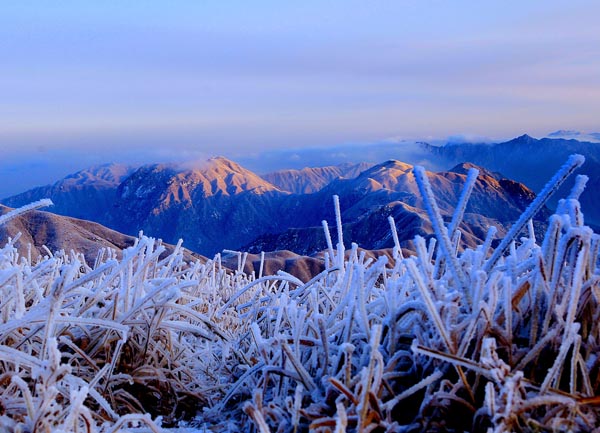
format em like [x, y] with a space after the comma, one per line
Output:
[533, 162]
[221, 205]
[217, 205]
[313, 179]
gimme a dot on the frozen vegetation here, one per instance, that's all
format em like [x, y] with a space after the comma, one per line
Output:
[487, 339]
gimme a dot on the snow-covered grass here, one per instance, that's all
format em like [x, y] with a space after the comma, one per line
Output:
[441, 341]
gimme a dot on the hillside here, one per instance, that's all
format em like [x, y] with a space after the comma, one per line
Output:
[42, 234]
[60, 233]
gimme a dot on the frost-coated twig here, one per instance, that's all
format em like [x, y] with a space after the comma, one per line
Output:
[431, 308]
[572, 164]
[461, 206]
[417, 387]
[581, 181]
[328, 240]
[340, 230]
[20, 211]
[397, 249]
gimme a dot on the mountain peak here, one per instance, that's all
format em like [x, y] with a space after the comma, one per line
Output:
[181, 183]
[525, 137]
[222, 161]
[210, 164]
[464, 167]
[390, 164]
[521, 140]
[312, 179]
[108, 175]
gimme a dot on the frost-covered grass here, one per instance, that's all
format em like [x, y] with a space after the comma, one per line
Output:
[498, 340]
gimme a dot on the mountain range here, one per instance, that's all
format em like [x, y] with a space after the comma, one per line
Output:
[221, 205]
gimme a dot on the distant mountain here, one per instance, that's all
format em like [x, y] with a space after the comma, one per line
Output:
[214, 206]
[87, 194]
[313, 179]
[532, 162]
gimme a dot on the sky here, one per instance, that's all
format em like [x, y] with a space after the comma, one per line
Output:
[84, 83]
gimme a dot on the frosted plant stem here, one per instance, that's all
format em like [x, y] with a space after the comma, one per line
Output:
[581, 181]
[368, 377]
[439, 227]
[307, 381]
[531, 231]
[338, 221]
[32, 206]
[397, 249]
[342, 418]
[362, 299]
[574, 162]
[567, 341]
[436, 375]
[262, 264]
[329, 243]
[574, 363]
[463, 200]
[534, 352]
[576, 284]
[431, 308]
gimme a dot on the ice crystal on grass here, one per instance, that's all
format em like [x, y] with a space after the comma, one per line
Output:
[482, 340]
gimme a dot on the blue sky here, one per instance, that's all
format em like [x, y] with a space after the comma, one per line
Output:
[89, 82]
